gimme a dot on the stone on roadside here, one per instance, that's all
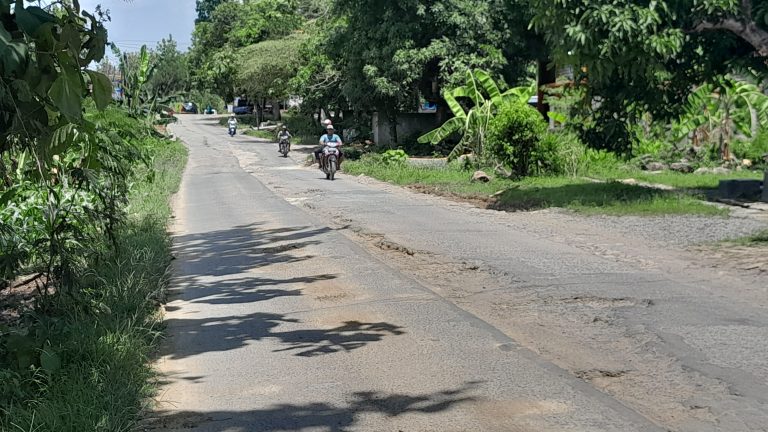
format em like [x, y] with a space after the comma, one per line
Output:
[720, 171]
[681, 167]
[746, 163]
[467, 159]
[481, 176]
[703, 170]
[654, 166]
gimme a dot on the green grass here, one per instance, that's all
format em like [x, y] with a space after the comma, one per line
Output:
[678, 180]
[267, 135]
[534, 193]
[759, 239]
[105, 346]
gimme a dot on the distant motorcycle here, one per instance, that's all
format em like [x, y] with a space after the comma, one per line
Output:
[285, 146]
[329, 160]
[232, 130]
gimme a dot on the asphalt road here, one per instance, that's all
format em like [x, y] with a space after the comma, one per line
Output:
[302, 304]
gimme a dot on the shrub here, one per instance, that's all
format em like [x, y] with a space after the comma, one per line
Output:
[754, 150]
[560, 153]
[205, 98]
[514, 134]
[394, 157]
[300, 124]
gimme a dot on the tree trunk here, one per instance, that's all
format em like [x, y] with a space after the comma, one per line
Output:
[276, 114]
[393, 129]
[546, 75]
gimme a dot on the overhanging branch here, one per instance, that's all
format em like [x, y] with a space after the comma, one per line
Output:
[748, 31]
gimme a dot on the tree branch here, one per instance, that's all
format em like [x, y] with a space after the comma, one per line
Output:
[748, 31]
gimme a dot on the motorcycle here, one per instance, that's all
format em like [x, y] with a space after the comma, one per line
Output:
[285, 146]
[330, 161]
[232, 130]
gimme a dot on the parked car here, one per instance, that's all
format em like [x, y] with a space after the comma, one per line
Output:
[246, 109]
[189, 108]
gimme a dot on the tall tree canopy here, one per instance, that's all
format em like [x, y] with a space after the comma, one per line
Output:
[645, 56]
[417, 46]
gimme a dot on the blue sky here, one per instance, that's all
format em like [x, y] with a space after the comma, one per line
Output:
[138, 22]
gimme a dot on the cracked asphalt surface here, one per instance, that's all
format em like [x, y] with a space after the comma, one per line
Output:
[301, 304]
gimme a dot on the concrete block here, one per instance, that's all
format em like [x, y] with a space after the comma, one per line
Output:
[740, 188]
[765, 187]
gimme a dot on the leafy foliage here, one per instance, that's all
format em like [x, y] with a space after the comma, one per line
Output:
[394, 157]
[514, 135]
[715, 112]
[266, 68]
[643, 57]
[484, 98]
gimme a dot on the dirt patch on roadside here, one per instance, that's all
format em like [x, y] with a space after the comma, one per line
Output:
[476, 200]
[736, 258]
[18, 297]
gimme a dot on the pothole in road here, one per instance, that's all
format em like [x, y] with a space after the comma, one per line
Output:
[607, 302]
[591, 375]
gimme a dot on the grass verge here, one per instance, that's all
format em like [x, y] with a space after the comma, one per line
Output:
[759, 239]
[267, 135]
[679, 180]
[98, 375]
[536, 193]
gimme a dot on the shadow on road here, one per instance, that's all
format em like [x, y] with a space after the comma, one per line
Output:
[198, 336]
[318, 416]
[237, 250]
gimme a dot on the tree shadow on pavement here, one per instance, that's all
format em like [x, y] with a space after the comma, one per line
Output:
[237, 250]
[243, 290]
[319, 416]
[197, 336]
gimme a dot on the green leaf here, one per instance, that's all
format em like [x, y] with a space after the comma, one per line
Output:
[13, 53]
[102, 89]
[67, 92]
[27, 19]
[50, 361]
[447, 129]
[490, 86]
[453, 104]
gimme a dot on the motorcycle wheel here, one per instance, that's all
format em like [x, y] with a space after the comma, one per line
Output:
[332, 170]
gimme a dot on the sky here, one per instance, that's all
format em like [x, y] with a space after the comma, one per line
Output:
[137, 22]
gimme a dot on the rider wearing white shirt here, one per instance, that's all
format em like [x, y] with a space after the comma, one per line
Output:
[329, 139]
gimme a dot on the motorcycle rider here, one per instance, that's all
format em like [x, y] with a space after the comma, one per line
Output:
[329, 137]
[232, 122]
[283, 134]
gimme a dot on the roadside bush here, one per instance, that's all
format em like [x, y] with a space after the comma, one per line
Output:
[514, 135]
[394, 157]
[203, 98]
[97, 324]
[300, 124]
[754, 150]
[560, 153]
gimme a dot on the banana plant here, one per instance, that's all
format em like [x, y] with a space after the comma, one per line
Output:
[484, 97]
[723, 108]
[137, 71]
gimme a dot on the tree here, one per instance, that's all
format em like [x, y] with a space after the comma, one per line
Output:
[411, 49]
[229, 27]
[171, 74]
[266, 68]
[205, 8]
[643, 57]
